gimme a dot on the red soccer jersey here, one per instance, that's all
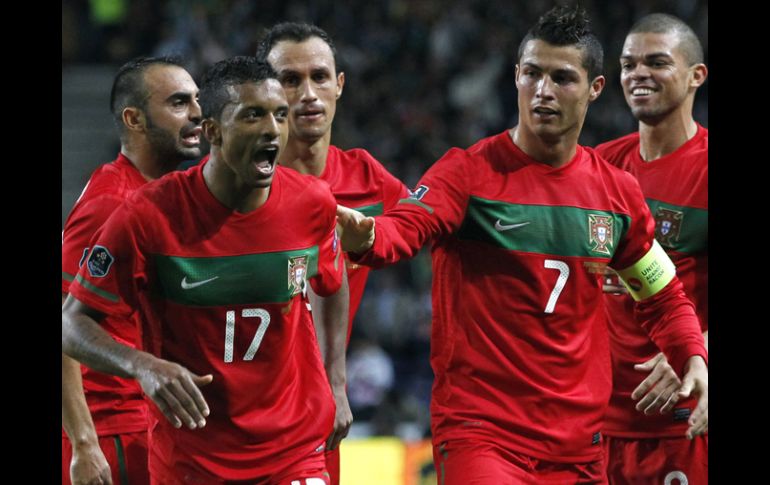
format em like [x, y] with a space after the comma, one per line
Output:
[519, 345]
[221, 292]
[360, 182]
[116, 404]
[676, 190]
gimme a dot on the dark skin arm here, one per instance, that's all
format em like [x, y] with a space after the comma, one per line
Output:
[172, 388]
[88, 466]
[330, 317]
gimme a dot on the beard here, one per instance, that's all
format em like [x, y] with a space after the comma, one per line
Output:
[167, 145]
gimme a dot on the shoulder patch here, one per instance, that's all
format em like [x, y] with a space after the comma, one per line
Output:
[99, 262]
[419, 192]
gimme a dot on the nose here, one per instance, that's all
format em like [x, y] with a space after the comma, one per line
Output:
[545, 88]
[271, 128]
[639, 71]
[307, 93]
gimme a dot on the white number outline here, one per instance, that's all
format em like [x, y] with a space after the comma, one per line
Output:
[260, 313]
[561, 281]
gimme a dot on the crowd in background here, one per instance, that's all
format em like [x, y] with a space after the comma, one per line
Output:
[421, 76]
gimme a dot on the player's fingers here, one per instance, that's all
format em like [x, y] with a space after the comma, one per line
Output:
[160, 401]
[648, 383]
[177, 408]
[191, 387]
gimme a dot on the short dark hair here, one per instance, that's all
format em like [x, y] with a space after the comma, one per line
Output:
[661, 23]
[295, 32]
[564, 26]
[230, 72]
[128, 88]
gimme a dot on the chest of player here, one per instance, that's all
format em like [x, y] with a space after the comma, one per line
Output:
[238, 279]
[554, 230]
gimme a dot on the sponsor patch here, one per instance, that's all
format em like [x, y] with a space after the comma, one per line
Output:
[298, 274]
[419, 192]
[99, 262]
[668, 225]
[600, 233]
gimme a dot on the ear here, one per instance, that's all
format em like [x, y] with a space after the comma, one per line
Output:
[698, 75]
[340, 84]
[134, 119]
[212, 131]
[516, 73]
[597, 85]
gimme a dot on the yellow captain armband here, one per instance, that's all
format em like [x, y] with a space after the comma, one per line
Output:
[650, 274]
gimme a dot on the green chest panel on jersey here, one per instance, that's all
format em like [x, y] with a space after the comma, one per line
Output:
[236, 280]
[543, 229]
[679, 228]
[370, 210]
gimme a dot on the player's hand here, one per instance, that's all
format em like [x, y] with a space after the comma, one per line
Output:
[89, 466]
[696, 380]
[174, 390]
[660, 390]
[343, 418]
[356, 230]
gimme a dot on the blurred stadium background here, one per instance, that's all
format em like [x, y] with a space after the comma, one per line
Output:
[421, 76]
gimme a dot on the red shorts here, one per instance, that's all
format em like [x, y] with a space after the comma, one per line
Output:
[333, 465]
[665, 461]
[125, 453]
[473, 462]
[307, 471]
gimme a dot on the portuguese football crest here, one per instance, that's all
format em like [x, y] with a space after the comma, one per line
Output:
[297, 274]
[600, 229]
[668, 224]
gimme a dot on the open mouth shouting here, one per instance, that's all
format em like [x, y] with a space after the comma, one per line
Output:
[264, 159]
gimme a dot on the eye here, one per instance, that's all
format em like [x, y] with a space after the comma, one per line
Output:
[281, 115]
[320, 77]
[289, 81]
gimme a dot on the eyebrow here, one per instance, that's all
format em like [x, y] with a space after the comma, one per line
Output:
[182, 95]
[653, 55]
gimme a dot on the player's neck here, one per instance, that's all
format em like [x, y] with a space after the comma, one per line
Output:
[225, 186]
[555, 152]
[306, 157]
[659, 139]
[146, 161]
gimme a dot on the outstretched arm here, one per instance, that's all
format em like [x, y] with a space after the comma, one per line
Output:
[171, 387]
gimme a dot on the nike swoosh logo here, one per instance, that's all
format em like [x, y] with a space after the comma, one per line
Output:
[508, 227]
[190, 286]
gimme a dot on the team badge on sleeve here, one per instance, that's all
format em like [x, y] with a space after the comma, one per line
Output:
[668, 224]
[99, 262]
[419, 192]
[600, 233]
[297, 274]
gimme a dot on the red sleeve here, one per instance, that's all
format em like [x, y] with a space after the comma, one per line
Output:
[435, 208]
[668, 316]
[81, 225]
[108, 279]
[331, 262]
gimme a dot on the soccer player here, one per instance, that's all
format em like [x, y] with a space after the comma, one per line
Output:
[661, 71]
[523, 225]
[306, 61]
[154, 102]
[216, 260]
